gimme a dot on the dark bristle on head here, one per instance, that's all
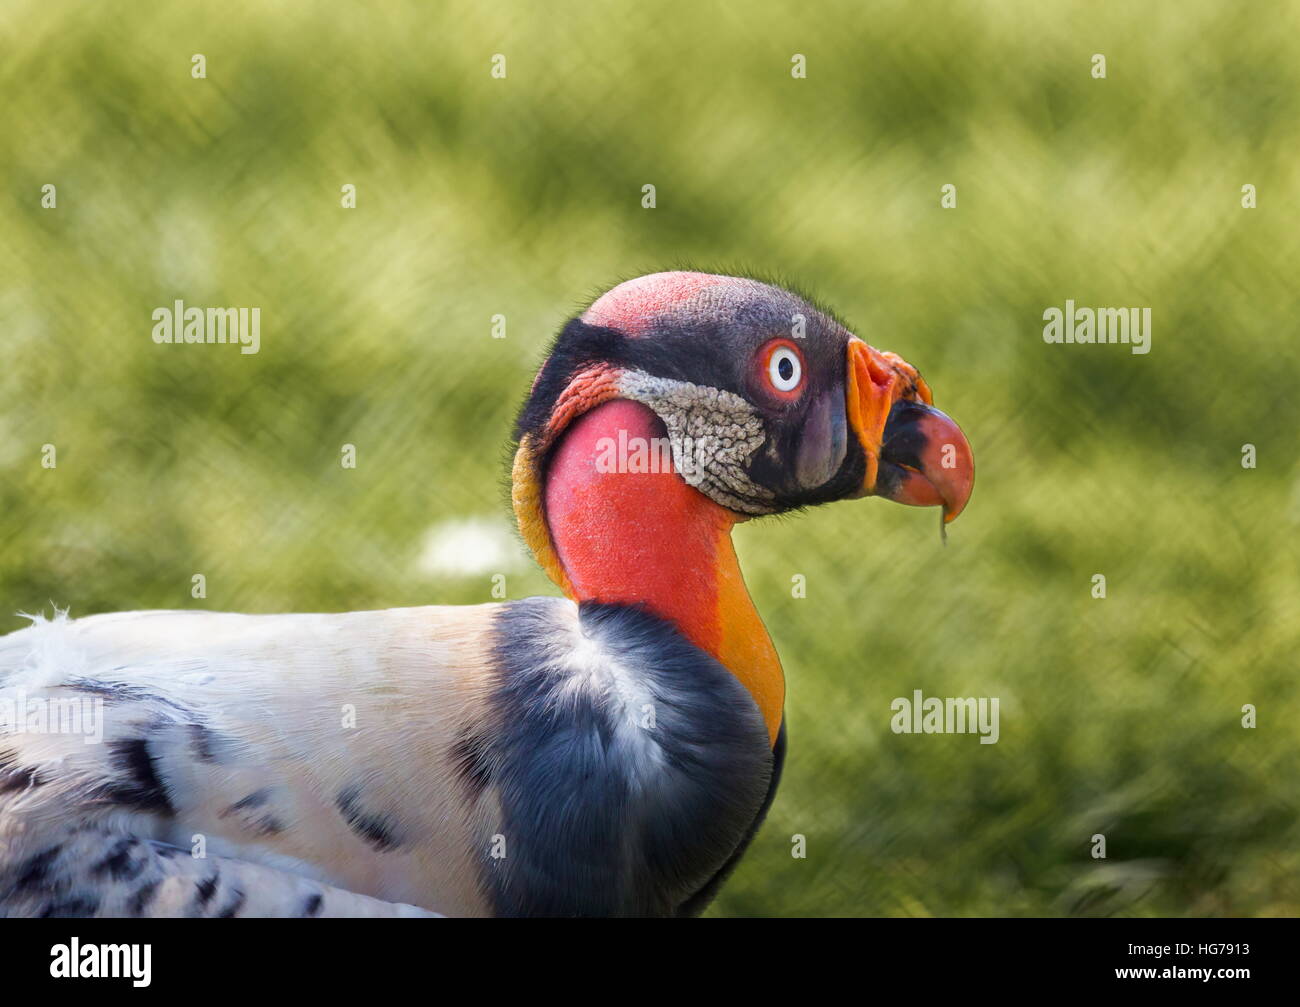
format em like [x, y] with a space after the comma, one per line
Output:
[577, 344]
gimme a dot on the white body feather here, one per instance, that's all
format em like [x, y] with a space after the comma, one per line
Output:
[293, 710]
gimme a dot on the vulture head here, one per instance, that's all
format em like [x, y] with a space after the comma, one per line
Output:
[680, 403]
[765, 402]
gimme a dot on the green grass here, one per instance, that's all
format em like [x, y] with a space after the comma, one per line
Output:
[521, 197]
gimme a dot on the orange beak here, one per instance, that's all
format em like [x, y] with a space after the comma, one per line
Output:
[915, 454]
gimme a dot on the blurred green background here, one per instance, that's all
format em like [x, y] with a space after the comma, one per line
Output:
[522, 197]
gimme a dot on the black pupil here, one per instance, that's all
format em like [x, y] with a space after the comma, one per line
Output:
[785, 368]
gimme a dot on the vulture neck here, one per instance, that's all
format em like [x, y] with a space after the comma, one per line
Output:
[629, 536]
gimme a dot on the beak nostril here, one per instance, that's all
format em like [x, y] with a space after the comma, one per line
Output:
[881, 375]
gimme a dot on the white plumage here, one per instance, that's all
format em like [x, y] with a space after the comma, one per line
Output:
[289, 710]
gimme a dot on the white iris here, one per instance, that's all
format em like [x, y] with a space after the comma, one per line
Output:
[784, 370]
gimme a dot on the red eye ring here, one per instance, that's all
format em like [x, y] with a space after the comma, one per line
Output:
[781, 369]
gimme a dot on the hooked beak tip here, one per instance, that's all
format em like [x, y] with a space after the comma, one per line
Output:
[925, 460]
[914, 453]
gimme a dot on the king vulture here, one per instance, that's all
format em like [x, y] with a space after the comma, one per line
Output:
[610, 752]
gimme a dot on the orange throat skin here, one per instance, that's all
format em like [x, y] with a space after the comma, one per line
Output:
[607, 534]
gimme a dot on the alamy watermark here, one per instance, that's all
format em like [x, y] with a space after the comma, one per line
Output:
[24, 714]
[624, 454]
[179, 324]
[1130, 326]
[932, 715]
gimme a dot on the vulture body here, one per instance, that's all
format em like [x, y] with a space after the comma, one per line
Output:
[611, 752]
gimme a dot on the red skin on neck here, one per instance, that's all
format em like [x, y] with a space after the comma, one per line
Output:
[649, 538]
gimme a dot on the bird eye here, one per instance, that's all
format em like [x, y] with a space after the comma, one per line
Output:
[784, 369]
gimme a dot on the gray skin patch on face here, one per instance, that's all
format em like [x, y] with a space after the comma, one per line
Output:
[713, 434]
[825, 439]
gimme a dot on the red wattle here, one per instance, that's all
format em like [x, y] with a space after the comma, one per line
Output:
[635, 537]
